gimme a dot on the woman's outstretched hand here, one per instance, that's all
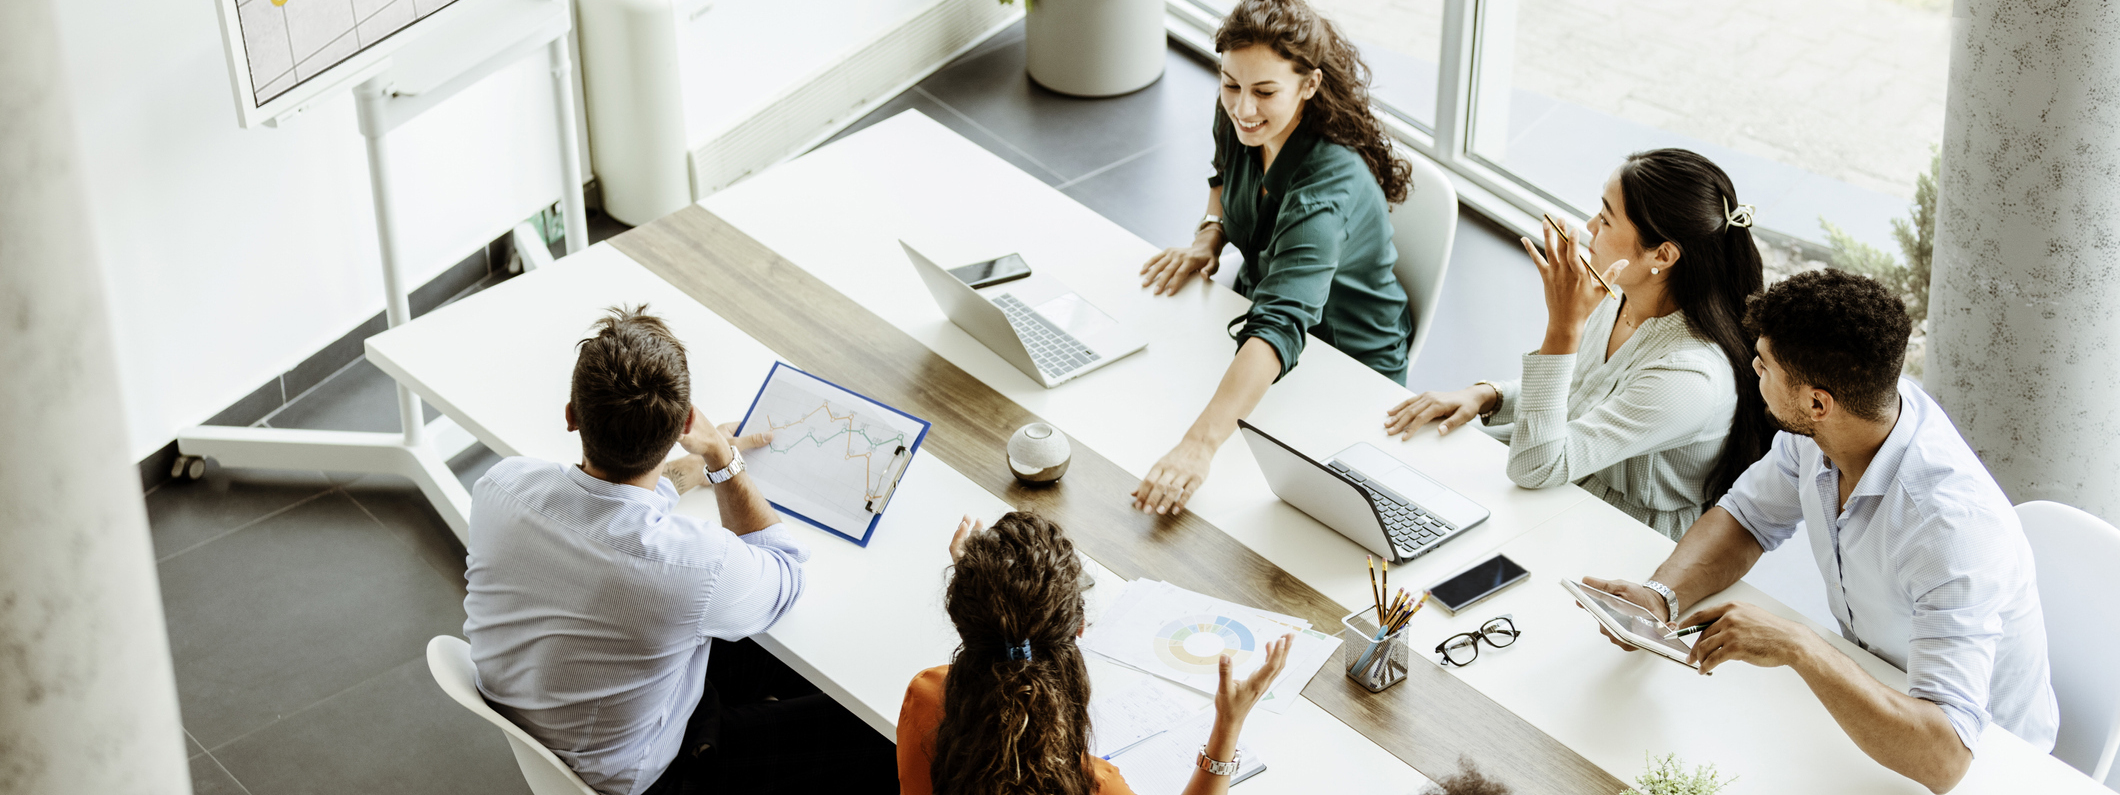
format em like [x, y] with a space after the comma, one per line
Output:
[1168, 271]
[1453, 408]
[966, 528]
[1234, 698]
[1171, 482]
[1572, 293]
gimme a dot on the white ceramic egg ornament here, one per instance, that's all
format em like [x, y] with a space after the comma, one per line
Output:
[1038, 453]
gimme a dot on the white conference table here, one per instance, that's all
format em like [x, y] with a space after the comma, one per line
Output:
[839, 211]
[870, 618]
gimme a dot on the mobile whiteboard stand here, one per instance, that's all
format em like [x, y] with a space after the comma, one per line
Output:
[447, 58]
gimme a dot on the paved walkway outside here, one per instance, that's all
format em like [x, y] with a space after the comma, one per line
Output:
[1847, 89]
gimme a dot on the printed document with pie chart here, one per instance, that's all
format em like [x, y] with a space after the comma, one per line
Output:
[1180, 635]
[835, 457]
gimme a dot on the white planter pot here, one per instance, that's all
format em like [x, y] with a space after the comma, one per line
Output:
[1095, 48]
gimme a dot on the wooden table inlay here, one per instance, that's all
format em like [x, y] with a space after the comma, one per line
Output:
[1429, 721]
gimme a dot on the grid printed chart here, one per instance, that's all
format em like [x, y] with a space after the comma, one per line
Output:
[835, 456]
[290, 41]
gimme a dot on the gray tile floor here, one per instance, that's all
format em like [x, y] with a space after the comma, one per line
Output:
[299, 603]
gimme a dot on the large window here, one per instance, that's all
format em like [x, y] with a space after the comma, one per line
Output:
[1818, 109]
[1400, 40]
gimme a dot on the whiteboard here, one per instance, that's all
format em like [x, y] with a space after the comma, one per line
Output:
[285, 54]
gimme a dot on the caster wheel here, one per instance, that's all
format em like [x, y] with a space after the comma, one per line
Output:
[189, 467]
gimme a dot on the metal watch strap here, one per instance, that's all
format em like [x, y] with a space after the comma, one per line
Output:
[1670, 598]
[1214, 768]
[1497, 398]
[1210, 218]
[735, 467]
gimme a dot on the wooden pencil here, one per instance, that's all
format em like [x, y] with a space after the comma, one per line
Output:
[1376, 594]
[1569, 243]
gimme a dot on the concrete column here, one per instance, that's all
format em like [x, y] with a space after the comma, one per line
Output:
[2024, 318]
[88, 702]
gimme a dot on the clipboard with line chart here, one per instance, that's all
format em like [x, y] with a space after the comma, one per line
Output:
[836, 456]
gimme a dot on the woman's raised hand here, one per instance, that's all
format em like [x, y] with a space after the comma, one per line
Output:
[1167, 272]
[1453, 408]
[1572, 293]
[966, 528]
[1235, 697]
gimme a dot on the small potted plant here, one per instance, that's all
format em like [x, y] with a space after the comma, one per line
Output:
[1666, 776]
[1093, 48]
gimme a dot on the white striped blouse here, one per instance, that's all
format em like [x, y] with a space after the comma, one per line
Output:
[1642, 430]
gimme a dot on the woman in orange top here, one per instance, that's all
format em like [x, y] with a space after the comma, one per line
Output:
[1010, 714]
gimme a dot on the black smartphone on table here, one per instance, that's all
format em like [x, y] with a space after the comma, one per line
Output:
[1475, 584]
[993, 271]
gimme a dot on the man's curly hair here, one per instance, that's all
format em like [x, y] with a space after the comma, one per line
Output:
[1838, 332]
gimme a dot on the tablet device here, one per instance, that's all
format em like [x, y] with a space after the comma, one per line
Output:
[1629, 622]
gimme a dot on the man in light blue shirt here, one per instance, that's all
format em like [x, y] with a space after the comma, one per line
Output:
[1924, 561]
[592, 607]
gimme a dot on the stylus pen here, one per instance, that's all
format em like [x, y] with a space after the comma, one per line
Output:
[1690, 630]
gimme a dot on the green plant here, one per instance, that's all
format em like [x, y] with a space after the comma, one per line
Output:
[1666, 776]
[1917, 242]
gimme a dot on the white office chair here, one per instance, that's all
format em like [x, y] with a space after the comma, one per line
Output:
[449, 658]
[1423, 229]
[2077, 555]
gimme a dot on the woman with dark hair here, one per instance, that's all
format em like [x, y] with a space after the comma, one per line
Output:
[1664, 411]
[1304, 179]
[1010, 713]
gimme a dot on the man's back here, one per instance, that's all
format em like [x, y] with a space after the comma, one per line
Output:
[590, 606]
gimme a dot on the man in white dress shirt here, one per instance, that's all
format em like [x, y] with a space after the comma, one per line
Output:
[1925, 564]
[592, 607]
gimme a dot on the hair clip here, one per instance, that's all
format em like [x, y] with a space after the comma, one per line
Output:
[1020, 651]
[1742, 216]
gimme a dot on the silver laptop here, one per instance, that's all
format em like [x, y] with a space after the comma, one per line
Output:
[1036, 323]
[1368, 496]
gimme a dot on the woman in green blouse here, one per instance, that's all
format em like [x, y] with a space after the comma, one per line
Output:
[1304, 178]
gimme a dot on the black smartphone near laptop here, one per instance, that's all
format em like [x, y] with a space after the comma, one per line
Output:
[1475, 584]
[992, 272]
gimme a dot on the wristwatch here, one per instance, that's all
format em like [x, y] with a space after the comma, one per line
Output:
[1210, 218]
[1670, 598]
[735, 467]
[1215, 768]
[1484, 415]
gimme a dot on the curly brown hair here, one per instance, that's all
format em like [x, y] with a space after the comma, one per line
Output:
[1836, 331]
[1340, 109]
[1014, 726]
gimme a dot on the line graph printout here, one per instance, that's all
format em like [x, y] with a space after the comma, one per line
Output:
[288, 42]
[835, 457]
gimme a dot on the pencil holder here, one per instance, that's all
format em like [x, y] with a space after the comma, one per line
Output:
[1374, 661]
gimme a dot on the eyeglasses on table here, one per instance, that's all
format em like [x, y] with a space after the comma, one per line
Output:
[1462, 648]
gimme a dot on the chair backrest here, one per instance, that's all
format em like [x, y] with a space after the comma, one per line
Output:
[1423, 229]
[2077, 555]
[449, 658]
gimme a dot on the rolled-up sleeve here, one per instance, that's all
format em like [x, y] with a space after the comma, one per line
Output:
[1958, 621]
[1764, 499]
[1290, 299]
[758, 582]
[1660, 405]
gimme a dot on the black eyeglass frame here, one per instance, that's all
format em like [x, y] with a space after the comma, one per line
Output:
[1508, 620]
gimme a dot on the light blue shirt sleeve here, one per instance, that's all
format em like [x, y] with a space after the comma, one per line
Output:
[1765, 499]
[1958, 618]
[760, 580]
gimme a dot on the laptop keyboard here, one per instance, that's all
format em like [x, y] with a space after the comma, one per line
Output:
[1413, 530]
[1055, 352]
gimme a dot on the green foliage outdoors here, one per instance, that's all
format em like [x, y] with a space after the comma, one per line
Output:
[1666, 776]
[1917, 243]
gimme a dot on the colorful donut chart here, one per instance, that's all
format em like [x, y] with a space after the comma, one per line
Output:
[1232, 637]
